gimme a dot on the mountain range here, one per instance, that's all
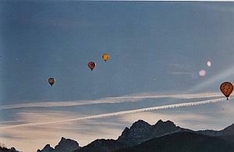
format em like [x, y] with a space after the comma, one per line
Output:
[4, 149]
[160, 137]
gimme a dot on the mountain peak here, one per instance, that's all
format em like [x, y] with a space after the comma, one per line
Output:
[159, 121]
[65, 145]
[139, 124]
[162, 128]
[47, 148]
[167, 123]
[139, 131]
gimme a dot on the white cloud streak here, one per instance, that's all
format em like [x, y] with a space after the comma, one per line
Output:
[170, 106]
[133, 98]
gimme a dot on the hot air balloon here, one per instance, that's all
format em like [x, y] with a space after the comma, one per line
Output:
[226, 88]
[105, 57]
[91, 65]
[51, 81]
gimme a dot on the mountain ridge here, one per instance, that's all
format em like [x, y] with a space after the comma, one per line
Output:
[188, 142]
[140, 132]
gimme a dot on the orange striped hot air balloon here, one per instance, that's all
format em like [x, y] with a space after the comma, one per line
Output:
[226, 88]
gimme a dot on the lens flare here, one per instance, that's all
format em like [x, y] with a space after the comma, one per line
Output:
[202, 73]
[208, 63]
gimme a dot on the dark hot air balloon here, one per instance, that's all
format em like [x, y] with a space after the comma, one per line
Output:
[226, 88]
[51, 81]
[91, 65]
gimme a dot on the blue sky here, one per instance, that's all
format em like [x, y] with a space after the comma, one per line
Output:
[155, 48]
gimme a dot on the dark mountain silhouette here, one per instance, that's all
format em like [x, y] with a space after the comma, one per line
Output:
[228, 130]
[160, 137]
[102, 145]
[65, 145]
[4, 149]
[228, 134]
[139, 132]
[182, 142]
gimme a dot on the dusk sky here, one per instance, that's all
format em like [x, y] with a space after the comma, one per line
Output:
[167, 61]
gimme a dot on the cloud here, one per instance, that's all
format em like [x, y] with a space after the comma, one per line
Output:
[83, 131]
[177, 105]
[50, 125]
[121, 99]
[181, 69]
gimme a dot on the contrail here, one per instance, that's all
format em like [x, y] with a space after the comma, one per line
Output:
[118, 113]
[133, 98]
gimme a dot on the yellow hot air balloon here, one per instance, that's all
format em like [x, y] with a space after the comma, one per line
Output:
[105, 57]
[226, 88]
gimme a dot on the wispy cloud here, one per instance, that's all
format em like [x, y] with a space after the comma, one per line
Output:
[121, 99]
[196, 103]
[83, 132]
[180, 69]
[50, 125]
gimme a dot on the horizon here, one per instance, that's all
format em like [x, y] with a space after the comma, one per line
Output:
[166, 61]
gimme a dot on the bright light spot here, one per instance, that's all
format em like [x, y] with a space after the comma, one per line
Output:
[202, 73]
[208, 63]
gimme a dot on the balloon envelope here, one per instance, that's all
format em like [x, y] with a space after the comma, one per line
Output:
[91, 65]
[51, 81]
[226, 88]
[105, 57]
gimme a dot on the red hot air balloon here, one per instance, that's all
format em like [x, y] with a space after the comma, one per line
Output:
[226, 88]
[91, 65]
[51, 81]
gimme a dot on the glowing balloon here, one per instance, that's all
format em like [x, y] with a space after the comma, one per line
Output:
[226, 88]
[91, 65]
[105, 57]
[51, 81]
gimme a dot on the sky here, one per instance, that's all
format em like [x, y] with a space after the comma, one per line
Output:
[167, 61]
